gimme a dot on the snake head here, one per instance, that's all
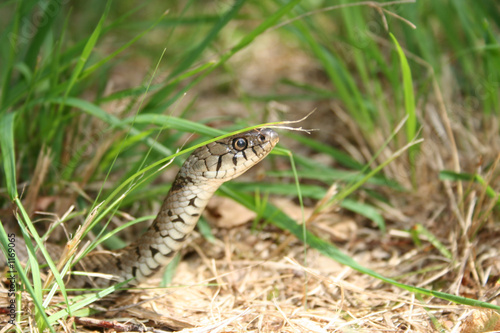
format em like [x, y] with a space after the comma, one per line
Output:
[230, 157]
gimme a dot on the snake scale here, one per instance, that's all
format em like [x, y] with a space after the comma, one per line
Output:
[202, 173]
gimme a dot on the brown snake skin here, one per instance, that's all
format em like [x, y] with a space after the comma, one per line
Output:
[204, 171]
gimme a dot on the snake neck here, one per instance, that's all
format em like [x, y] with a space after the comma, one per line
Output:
[200, 176]
[176, 219]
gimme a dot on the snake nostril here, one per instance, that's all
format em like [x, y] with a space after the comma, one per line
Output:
[262, 138]
[269, 135]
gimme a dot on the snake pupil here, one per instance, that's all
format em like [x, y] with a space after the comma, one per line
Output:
[240, 143]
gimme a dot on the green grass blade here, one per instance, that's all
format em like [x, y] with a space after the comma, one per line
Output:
[4, 242]
[419, 229]
[411, 123]
[8, 152]
[32, 260]
[309, 191]
[328, 175]
[454, 176]
[41, 247]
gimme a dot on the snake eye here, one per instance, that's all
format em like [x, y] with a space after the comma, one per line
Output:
[239, 143]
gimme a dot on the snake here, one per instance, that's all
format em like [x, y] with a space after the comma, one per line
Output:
[203, 172]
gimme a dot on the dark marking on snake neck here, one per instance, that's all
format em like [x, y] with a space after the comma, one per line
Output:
[219, 163]
[179, 219]
[191, 201]
[178, 184]
[153, 251]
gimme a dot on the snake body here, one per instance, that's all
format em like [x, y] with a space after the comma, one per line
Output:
[202, 173]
